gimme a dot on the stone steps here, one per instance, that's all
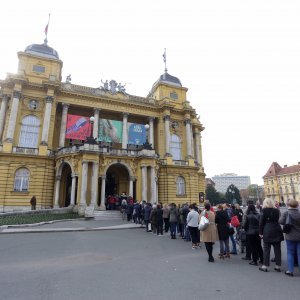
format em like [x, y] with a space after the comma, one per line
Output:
[107, 215]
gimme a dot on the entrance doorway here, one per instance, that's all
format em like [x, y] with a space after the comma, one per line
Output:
[117, 183]
[66, 182]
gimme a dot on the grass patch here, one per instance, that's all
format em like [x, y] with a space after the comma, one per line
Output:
[36, 218]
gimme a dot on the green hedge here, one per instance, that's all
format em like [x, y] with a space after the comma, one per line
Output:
[31, 219]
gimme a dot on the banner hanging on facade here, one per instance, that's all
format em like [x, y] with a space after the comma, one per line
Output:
[110, 131]
[136, 134]
[78, 127]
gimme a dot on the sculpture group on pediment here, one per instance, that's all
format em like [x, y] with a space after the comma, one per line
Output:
[113, 87]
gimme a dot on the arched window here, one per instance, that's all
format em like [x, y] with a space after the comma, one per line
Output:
[175, 147]
[21, 180]
[29, 134]
[180, 185]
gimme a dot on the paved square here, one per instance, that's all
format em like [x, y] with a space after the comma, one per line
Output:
[128, 264]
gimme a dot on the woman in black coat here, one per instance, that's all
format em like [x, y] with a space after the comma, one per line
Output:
[271, 233]
[221, 221]
[251, 226]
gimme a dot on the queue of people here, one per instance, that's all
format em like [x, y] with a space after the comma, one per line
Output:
[260, 224]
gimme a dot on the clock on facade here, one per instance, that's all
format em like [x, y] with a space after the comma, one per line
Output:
[33, 104]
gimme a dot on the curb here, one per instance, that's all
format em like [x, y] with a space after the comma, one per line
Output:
[37, 224]
[79, 229]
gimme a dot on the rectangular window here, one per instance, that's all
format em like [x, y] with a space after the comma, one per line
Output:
[38, 69]
[174, 95]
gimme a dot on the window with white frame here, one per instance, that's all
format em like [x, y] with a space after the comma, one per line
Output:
[21, 180]
[180, 185]
[29, 134]
[175, 147]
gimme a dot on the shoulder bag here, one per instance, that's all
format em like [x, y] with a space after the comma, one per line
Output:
[203, 224]
[287, 227]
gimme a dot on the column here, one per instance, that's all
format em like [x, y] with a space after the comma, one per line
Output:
[151, 132]
[63, 125]
[192, 142]
[153, 186]
[131, 186]
[187, 123]
[47, 117]
[73, 190]
[144, 183]
[84, 176]
[167, 134]
[94, 186]
[197, 141]
[3, 114]
[13, 117]
[125, 131]
[57, 188]
[199, 149]
[103, 182]
[96, 123]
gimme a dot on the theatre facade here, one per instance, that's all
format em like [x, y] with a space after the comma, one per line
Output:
[73, 145]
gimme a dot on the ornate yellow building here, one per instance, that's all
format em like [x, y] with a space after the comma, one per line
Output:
[282, 184]
[74, 145]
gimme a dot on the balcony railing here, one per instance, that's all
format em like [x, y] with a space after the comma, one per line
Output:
[107, 150]
[180, 163]
[24, 150]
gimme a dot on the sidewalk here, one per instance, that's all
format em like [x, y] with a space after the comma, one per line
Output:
[69, 226]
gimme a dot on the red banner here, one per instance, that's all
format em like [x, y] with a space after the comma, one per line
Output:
[78, 127]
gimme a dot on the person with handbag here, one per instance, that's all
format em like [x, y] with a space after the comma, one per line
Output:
[291, 226]
[251, 226]
[271, 233]
[221, 221]
[210, 234]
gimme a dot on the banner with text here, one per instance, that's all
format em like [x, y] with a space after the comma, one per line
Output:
[136, 134]
[78, 127]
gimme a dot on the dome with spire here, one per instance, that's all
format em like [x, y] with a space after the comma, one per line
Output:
[42, 50]
[169, 79]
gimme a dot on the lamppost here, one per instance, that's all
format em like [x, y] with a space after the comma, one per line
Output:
[90, 139]
[146, 145]
[232, 192]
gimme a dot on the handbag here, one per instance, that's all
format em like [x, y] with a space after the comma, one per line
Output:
[287, 227]
[203, 224]
[235, 221]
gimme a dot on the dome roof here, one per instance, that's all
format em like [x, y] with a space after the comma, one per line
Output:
[42, 50]
[167, 78]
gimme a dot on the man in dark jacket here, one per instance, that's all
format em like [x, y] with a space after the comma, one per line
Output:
[147, 212]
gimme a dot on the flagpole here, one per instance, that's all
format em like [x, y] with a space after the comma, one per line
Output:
[46, 30]
[165, 60]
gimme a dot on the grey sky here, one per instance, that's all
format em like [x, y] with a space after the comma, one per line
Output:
[239, 59]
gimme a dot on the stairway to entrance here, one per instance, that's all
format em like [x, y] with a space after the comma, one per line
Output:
[107, 215]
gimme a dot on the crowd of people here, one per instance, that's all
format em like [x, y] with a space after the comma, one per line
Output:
[227, 224]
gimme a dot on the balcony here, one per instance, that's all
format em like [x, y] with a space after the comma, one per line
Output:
[107, 149]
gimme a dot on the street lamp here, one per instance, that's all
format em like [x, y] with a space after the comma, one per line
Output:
[90, 139]
[146, 145]
[232, 192]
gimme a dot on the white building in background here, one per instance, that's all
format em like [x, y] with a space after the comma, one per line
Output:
[224, 180]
